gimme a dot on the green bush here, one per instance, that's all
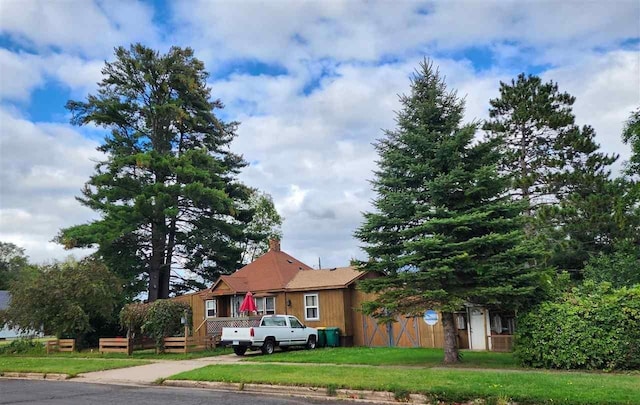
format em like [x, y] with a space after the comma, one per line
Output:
[22, 346]
[132, 317]
[163, 319]
[593, 327]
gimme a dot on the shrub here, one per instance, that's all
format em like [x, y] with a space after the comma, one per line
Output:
[593, 327]
[65, 299]
[132, 317]
[22, 346]
[163, 319]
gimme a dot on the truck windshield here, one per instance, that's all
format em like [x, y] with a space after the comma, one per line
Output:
[274, 321]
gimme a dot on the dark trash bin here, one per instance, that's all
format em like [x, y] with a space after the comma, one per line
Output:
[322, 337]
[333, 337]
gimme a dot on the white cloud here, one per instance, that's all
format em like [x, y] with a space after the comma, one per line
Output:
[288, 32]
[42, 168]
[90, 27]
[607, 89]
[19, 75]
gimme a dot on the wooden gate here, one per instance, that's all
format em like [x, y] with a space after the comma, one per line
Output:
[405, 332]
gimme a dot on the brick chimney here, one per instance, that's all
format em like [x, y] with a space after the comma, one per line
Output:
[274, 245]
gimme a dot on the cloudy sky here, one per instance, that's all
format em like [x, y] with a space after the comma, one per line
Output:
[312, 82]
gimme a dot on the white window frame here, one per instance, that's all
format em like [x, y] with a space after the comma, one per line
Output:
[269, 311]
[261, 305]
[316, 306]
[214, 307]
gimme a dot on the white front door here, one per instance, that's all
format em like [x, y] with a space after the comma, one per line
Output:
[477, 330]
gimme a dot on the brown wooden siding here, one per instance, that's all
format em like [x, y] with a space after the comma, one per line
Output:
[197, 309]
[357, 298]
[331, 307]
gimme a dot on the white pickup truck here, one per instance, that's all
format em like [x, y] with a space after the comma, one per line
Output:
[274, 330]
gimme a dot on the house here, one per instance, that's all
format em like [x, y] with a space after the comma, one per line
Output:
[282, 284]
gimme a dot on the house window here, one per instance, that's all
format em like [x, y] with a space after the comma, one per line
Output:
[235, 305]
[269, 305]
[266, 305]
[311, 308]
[461, 322]
[496, 324]
[211, 308]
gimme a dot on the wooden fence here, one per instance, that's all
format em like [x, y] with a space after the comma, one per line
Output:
[124, 345]
[188, 344]
[501, 343]
[172, 344]
[60, 345]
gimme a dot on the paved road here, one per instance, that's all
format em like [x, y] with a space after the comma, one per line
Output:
[27, 392]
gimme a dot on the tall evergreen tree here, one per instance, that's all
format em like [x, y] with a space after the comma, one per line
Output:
[557, 169]
[545, 151]
[444, 233]
[167, 189]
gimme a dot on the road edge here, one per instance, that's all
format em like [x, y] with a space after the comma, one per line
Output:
[34, 376]
[378, 397]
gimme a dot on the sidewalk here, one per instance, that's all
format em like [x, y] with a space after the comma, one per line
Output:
[150, 373]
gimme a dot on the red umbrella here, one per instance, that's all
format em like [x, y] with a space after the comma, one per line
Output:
[248, 304]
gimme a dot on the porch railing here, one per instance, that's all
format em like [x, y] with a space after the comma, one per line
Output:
[215, 325]
[501, 343]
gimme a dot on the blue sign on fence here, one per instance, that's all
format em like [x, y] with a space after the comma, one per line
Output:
[430, 317]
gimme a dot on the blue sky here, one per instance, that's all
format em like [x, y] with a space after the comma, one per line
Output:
[313, 84]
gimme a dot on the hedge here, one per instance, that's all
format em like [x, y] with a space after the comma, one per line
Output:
[593, 327]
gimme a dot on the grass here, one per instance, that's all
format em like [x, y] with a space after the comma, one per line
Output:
[138, 354]
[526, 387]
[142, 355]
[40, 339]
[69, 366]
[380, 356]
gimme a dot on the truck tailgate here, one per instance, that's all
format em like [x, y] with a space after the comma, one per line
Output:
[236, 334]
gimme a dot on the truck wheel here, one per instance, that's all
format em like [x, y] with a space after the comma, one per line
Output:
[240, 350]
[311, 343]
[268, 347]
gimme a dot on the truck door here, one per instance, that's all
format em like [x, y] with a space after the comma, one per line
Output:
[298, 335]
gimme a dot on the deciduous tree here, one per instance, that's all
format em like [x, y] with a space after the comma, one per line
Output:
[65, 299]
[12, 262]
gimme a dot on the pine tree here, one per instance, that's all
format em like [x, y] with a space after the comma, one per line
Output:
[444, 233]
[167, 190]
[557, 169]
[545, 151]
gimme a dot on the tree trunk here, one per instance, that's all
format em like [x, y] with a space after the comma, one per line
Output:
[157, 272]
[154, 282]
[450, 339]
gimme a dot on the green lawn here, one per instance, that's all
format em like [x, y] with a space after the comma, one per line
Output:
[41, 339]
[138, 354]
[141, 354]
[382, 356]
[69, 366]
[527, 387]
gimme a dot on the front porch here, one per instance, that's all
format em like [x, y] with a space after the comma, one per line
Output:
[214, 325]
